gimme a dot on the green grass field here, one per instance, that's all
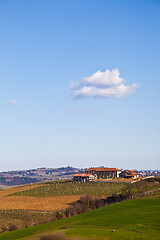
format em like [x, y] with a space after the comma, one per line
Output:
[71, 188]
[132, 219]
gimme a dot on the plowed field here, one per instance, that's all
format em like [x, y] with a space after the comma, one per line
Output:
[36, 203]
[33, 203]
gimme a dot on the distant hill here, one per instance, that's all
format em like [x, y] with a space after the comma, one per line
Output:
[20, 177]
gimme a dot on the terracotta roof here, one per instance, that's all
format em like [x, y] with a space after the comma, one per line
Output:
[134, 174]
[82, 175]
[103, 169]
[130, 172]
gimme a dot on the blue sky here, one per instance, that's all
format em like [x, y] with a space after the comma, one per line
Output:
[79, 83]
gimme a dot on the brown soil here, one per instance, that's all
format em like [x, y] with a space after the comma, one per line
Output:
[36, 203]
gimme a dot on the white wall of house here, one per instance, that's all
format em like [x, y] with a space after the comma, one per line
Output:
[118, 172]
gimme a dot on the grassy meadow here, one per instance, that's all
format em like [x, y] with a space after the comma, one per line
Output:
[132, 219]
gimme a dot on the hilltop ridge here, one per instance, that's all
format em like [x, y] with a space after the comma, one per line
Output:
[21, 177]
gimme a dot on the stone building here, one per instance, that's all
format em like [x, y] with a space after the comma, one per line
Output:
[102, 173]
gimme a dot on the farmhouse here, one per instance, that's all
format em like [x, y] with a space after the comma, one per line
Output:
[83, 177]
[129, 174]
[104, 172]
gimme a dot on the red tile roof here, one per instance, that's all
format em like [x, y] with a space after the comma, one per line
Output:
[130, 172]
[82, 175]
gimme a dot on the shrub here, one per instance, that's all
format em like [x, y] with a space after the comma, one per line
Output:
[115, 197]
[99, 203]
[59, 215]
[12, 227]
[4, 229]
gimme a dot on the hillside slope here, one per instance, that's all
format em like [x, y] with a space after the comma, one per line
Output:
[132, 219]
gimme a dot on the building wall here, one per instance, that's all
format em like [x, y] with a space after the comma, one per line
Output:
[81, 179]
[104, 174]
[118, 172]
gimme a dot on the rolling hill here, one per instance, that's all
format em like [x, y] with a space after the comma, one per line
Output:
[132, 219]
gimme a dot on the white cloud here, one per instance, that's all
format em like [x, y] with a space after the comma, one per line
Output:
[13, 101]
[106, 84]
